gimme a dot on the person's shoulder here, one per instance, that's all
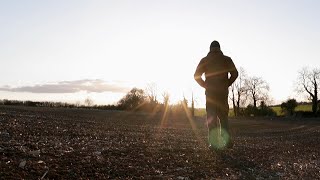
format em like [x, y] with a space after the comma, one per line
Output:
[204, 60]
[228, 58]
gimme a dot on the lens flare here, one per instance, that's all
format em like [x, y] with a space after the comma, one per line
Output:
[218, 138]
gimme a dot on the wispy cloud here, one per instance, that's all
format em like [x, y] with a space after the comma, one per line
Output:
[88, 85]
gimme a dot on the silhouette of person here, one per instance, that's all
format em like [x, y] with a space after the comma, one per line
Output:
[217, 67]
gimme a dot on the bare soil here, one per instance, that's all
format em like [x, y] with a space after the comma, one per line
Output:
[48, 143]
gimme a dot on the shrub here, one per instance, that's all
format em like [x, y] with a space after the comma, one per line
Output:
[133, 100]
[263, 110]
[289, 106]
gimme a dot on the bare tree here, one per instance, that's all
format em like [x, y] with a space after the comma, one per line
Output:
[166, 98]
[257, 89]
[151, 91]
[166, 108]
[239, 91]
[185, 102]
[233, 99]
[308, 81]
[88, 102]
[77, 104]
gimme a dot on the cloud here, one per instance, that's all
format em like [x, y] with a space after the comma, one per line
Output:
[88, 85]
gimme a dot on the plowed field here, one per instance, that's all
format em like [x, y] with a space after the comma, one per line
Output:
[44, 143]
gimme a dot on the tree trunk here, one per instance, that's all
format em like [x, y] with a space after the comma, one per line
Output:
[238, 107]
[234, 108]
[234, 105]
[238, 103]
[233, 101]
[254, 102]
[314, 106]
[315, 100]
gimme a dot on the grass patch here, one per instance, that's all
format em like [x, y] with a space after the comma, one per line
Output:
[278, 110]
[201, 112]
[300, 107]
[304, 107]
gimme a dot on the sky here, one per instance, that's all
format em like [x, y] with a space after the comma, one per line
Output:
[68, 50]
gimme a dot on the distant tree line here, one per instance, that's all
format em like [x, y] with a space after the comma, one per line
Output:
[135, 100]
[35, 103]
[54, 104]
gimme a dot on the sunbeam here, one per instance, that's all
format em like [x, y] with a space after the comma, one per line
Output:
[193, 126]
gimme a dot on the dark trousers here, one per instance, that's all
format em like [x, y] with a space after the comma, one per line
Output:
[217, 115]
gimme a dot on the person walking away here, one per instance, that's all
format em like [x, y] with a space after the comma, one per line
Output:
[220, 72]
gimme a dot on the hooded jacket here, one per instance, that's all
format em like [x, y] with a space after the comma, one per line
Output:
[216, 67]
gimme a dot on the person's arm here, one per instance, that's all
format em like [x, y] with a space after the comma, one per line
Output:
[233, 73]
[199, 71]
